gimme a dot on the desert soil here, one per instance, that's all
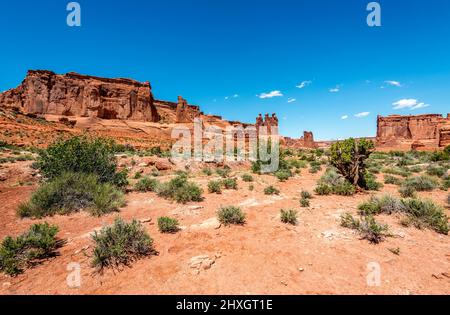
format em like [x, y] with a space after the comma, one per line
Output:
[264, 256]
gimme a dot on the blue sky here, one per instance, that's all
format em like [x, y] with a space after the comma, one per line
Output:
[225, 54]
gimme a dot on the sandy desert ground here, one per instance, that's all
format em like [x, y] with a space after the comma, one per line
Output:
[264, 256]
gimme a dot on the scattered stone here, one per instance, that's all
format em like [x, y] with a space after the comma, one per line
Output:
[202, 262]
[212, 223]
[145, 220]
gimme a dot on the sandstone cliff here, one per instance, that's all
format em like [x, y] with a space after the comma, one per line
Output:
[72, 94]
[426, 132]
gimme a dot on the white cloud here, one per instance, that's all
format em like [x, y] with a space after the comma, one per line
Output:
[393, 83]
[303, 84]
[270, 94]
[227, 97]
[344, 117]
[409, 103]
[336, 89]
[363, 114]
[235, 95]
[291, 100]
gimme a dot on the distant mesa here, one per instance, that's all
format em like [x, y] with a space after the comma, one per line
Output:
[419, 132]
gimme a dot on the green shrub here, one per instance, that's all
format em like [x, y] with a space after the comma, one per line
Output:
[256, 167]
[231, 215]
[180, 190]
[283, 175]
[146, 184]
[426, 213]
[29, 249]
[396, 171]
[344, 189]
[416, 169]
[72, 192]
[389, 179]
[305, 194]
[421, 183]
[407, 191]
[436, 170]
[120, 244]
[367, 227]
[448, 200]
[215, 187]
[247, 178]
[323, 190]
[422, 213]
[371, 182]
[271, 190]
[230, 183]
[251, 187]
[82, 155]
[385, 204]
[168, 225]
[304, 202]
[331, 178]
[207, 171]
[137, 175]
[289, 216]
[223, 172]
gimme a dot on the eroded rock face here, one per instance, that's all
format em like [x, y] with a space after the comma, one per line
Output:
[72, 94]
[307, 141]
[425, 132]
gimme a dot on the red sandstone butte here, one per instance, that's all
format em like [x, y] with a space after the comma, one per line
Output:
[423, 132]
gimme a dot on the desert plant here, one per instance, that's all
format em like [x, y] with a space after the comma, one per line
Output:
[29, 249]
[72, 192]
[389, 179]
[247, 178]
[215, 187]
[349, 157]
[283, 175]
[230, 183]
[82, 154]
[371, 182]
[305, 194]
[231, 215]
[344, 189]
[407, 191]
[323, 190]
[385, 204]
[168, 225]
[428, 214]
[304, 202]
[207, 171]
[436, 170]
[120, 244]
[271, 190]
[289, 216]
[180, 190]
[223, 172]
[367, 227]
[146, 184]
[421, 183]
[137, 175]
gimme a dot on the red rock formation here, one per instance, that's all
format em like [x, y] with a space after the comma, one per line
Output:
[72, 94]
[425, 132]
[307, 141]
[268, 122]
[186, 113]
